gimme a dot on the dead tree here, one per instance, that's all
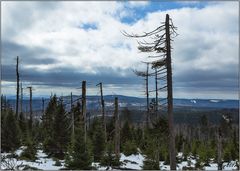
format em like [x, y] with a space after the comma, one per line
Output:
[117, 131]
[161, 45]
[5, 104]
[21, 100]
[30, 107]
[17, 95]
[72, 114]
[219, 149]
[145, 75]
[2, 105]
[84, 109]
[43, 103]
[170, 95]
[156, 90]
[103, 112]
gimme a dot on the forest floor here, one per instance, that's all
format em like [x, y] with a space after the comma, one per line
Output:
[134, 162]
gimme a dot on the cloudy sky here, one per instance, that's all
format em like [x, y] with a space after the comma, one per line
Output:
[62, 43]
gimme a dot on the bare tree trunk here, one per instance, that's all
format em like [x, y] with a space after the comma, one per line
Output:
[103, 113]
[170, 98]
[2, 103]
[147, 93]
[117, 133]
[88, 120]
[71, 101]
[73, 123]
[21, 99]
[17, 95]
[84, 109]
[30, 107]
[219, 150]
[43, 102]
[6, 104]
[156, 89]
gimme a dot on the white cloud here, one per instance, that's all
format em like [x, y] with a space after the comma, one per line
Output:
[208, 37]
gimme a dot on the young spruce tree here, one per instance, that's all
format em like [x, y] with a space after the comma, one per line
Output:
[60, 132]
[98, 142]
[48, 119]
[78, 157]
[10, 132]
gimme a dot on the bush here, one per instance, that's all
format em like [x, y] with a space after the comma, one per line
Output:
[150, 164]
[30, 152]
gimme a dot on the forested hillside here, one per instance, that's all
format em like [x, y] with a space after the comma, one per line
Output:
[62, 140]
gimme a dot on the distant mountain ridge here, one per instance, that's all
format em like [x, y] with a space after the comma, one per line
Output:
[93, 102]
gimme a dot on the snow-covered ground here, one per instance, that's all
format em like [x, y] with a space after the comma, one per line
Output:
[42, 161]
[134, 162]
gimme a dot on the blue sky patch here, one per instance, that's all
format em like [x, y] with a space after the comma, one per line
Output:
[154, 6]
[89, 26]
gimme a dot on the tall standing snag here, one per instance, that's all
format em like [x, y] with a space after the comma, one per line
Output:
[72, 114]
[21, 99]
[170, 97]
[17, 95]
[117, 131]
[30, 107]
[161, 45]
[43, 102]
[103, 112]
[219, 149]
[84, 109]
[156, 90]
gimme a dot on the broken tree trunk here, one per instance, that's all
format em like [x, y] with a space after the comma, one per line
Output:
[117, 133]
[103, 112]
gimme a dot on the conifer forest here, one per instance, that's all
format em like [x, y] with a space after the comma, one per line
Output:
[50, 123]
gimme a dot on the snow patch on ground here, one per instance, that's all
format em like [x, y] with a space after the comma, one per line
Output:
[99, 167]
[20, 150]
[132, 162]
[162, 166]
[213, 166]
[182, 164]
[42, 162]
[230, 165]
